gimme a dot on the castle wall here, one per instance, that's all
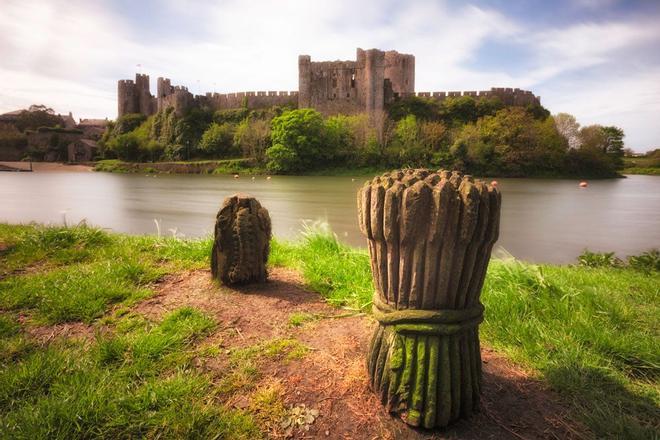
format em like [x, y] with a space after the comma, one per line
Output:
[251, 100]
[400, 70]
[331, 87]
[508, 96]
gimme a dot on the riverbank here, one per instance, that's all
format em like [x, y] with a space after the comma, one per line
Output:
[228, 166]
[108, 335]
[641, 165]
[247, 167]
[48, 167]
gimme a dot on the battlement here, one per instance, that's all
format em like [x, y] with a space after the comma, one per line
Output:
[509, 96]
[365, 84]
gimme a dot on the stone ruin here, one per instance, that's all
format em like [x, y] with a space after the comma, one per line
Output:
[430, 237]
[364, 85]
[241, 241]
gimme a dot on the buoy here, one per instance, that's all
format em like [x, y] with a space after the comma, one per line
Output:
[493, 183]
[352, 180]
[583, 184]
[253, 177]
[235, 176]
[268, 178]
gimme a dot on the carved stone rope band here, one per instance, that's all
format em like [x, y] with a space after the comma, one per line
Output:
[427, 322]
[430, 236]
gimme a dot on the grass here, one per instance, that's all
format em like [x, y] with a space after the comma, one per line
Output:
[224, 166]
[591, 333]
[131, 385]
[641, 165]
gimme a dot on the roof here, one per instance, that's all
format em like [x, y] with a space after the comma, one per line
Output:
[93, 122]
[89, 143]
[15, 112]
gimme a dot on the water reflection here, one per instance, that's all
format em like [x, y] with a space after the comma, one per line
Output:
[542, 220]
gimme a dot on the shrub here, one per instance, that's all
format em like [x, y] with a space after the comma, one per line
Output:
[599, 259]
[647, 261]
[297, 137]
[217, 140]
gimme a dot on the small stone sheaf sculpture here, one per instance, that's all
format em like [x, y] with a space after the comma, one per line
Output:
[242, 241]
[430, 236]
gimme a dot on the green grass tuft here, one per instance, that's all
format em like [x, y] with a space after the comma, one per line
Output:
[79, 292]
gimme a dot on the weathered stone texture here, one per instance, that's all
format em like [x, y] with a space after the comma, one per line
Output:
[242, 241]
[430, 236]
[365, 85]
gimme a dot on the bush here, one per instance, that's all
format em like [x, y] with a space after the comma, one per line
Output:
[126, 146]
[298, 142]
[281, 159]
[598, 259]
[647, 261]
[252, 137]
[217, 140]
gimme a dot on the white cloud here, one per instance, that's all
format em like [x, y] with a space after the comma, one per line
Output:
[68, 54]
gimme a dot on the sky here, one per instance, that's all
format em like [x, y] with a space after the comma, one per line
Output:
[596, 59]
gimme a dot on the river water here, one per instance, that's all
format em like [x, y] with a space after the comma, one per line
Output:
[549, 221]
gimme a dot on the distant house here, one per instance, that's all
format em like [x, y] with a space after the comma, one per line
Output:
[10, 117]
[68, 120]
[82, 150]
[92, 128]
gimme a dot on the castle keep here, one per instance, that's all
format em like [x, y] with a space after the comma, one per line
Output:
[365, 85]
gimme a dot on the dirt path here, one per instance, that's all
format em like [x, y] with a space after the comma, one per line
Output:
[332, 378]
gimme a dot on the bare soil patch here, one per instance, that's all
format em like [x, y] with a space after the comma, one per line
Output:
[71, 330]
[332, 376]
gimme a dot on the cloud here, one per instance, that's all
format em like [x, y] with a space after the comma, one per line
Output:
[68, 54]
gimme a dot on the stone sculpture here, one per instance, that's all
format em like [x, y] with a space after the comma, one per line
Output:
[242, 241]
[430, 236]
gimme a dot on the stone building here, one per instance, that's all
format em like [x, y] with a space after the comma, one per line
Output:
[82, 150]
[365, 85]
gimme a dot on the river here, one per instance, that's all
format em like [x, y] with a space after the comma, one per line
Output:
[549, 221]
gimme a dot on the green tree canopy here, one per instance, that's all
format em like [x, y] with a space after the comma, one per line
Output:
[217, 139]
[297, 137]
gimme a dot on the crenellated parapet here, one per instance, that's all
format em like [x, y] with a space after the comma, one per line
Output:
[364, 85]
[135, 96]
[508, 96]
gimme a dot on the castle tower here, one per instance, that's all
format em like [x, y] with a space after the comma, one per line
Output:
[400, 70]
[144, 94]
[163, 87]
[304, 81]
[374, 77]
[126, 97]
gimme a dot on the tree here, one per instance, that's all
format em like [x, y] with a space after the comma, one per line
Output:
[126, 146]
[592, 137]
[282, 159]
[421, 108]
[253, 137]
[457, 111]
[614, 145]
[217, 140]
[338, 136]
[568, 127]
[128, 122]
[298, 133]
[433, 135]
[37, 116]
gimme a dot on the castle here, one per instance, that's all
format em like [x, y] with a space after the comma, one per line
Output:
[365, 85]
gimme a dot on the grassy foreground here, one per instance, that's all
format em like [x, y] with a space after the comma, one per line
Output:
[590, 333]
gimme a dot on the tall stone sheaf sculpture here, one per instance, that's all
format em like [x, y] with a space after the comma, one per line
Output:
[430, 236]
[242, 241]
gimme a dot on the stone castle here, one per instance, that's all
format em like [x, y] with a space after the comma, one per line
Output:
[365, 85]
